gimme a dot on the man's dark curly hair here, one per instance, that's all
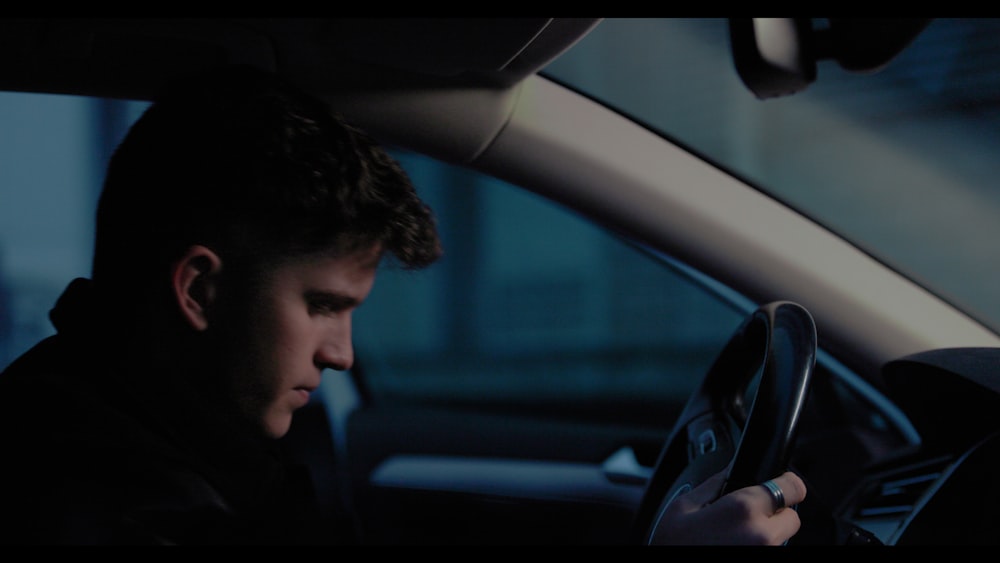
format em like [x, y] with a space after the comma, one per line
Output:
[243, 162]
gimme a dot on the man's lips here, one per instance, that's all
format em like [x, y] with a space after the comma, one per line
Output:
[304, 391]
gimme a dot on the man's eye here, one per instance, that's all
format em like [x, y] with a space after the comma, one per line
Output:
[322, 303]
[321, 307]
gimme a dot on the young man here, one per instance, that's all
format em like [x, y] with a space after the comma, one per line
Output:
[240, 225]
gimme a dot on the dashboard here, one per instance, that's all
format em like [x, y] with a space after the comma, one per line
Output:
[912, 463]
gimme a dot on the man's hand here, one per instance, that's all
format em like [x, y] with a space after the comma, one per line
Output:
[745, 516]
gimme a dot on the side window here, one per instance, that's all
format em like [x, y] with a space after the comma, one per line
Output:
[53, 151]
[534, 307]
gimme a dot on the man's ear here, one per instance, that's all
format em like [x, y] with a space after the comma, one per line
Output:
[195, 279]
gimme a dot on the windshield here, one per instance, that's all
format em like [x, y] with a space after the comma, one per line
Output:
[901, 162]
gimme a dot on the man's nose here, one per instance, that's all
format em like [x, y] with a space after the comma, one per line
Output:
[336, 352]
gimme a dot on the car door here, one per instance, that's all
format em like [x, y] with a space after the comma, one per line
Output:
[519, 390]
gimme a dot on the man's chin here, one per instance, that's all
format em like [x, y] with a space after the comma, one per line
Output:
[276, 425]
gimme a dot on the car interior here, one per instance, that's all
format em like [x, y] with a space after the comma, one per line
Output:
[620, 312]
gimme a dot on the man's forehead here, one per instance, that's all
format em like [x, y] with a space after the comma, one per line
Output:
[367, 255]
[361, 258]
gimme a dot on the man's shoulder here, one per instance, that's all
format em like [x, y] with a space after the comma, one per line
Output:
[58, 408]
[79, 470]
[46, 390]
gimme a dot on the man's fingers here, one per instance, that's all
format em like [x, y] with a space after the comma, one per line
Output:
[783, 491]
[792, 487]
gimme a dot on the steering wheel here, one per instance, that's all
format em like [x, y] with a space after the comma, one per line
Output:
[744, 415]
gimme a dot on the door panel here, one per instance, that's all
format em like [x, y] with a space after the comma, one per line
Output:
[433, 476]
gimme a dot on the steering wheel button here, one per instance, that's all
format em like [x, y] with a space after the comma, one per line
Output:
[706, 442]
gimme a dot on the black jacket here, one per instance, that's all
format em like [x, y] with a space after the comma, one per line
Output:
[97, 452]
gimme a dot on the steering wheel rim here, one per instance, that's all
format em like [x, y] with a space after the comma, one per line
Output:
[743, 416]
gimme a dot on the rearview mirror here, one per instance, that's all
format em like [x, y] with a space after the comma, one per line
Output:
[777, 56]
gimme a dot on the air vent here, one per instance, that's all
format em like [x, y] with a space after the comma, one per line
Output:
[891, 497]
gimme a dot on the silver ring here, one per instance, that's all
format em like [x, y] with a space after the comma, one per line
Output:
[777, 497]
